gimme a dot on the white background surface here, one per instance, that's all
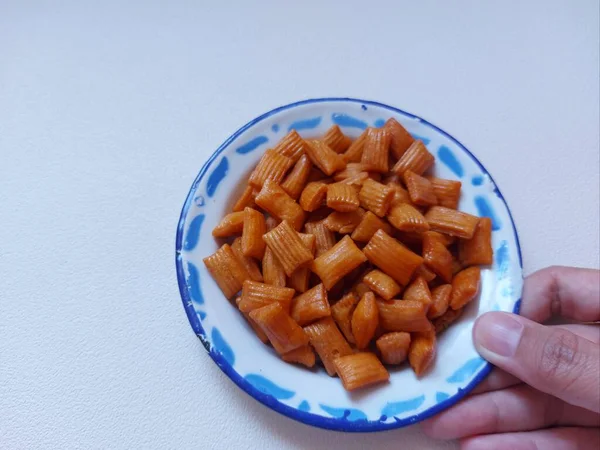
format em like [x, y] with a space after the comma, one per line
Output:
[107, 113]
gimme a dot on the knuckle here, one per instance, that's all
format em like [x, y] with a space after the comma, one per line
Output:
[560, 359]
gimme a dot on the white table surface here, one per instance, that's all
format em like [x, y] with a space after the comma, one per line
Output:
[107, 113]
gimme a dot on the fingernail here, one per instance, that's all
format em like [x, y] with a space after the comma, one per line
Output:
[498, 333]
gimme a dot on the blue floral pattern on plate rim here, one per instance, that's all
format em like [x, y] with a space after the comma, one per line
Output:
[268, 393]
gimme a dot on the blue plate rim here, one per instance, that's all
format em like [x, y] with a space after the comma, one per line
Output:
[336, 424]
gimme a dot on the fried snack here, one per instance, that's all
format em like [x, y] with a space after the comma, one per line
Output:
[296, 180]
[227, 271]
[465, 287]
[417, 159]
[310, 306]
[255, 227]
[360, 370]
[393, 347]
[231, 224]
[336, 140]
[288, 248]
[376, 150]
[328, 342]
[478, 250]
[256, 295]
[273, 199]
[338, 261]
[342, 311]
[382, 284]
[272, 166]
[284, 334]
[376, 197]
[452, 222]
[392, 257]
[342, 197]
[369, 224]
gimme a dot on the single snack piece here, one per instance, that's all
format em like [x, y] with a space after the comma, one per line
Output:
[437, 257]
[419, 290]
[393, 347]
[246, 199]
[284, 334]
[296, 180]
[325, 239]
[328, 342]
[447, 192]
[403, 315]
[382, 284]
[425, 272]
[324, 157]
[376, 150]
[440, 301]
[420, 189]
[351, 170]
[273, 272]
[400, 139]
[292, 146]
[422, 351]
[365, 320]
[338, 261]
[336, 140]
[257, 330]
[256, 295]
[342, 197]
[310, 306]
[368, 226]
[272, 166]
[302, 355]
[231, 224]
[355, 151]
[376, 197]
[288, 247]
[249, 263]
[400, 194]
[478, 250]
[416, 159]
[276, 202]
[360, 370]
[254, 228]
[465, 287]
[344, 222]
[299, 280]
[342, 314]
[452, 222]
[356, 179]
[405, 217]
[445, 320]
[445, 239]
[313, 195]
[228, 272]
[392, 257]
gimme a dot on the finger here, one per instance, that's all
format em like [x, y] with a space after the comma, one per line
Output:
[590, 332]
[555, 439]
[498, 379]
[562, 291]
[520, 408]
[551, 359]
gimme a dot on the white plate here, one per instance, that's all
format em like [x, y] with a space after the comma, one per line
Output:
[311, 396]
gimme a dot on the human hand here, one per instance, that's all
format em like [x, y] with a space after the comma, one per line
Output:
[545, 391]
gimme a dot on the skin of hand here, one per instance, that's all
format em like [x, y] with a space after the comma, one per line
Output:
[545, 390]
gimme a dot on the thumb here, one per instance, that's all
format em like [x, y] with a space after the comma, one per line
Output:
[551, 359]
